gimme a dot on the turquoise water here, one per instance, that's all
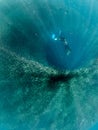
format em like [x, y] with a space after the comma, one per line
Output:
[27, 27]
[41, 87]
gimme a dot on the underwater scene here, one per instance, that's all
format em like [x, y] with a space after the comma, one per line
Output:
[48, 65]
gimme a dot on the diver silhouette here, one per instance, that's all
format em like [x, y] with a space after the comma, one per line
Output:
[62, 39]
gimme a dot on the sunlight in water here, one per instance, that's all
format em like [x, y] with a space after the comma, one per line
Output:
[48, 64]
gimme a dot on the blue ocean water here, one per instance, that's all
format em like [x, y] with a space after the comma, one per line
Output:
[29, 32]
[27, 28]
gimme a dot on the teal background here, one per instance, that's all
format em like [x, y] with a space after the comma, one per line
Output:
[34, 96]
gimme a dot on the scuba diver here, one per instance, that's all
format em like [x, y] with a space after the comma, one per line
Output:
[61, 38]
